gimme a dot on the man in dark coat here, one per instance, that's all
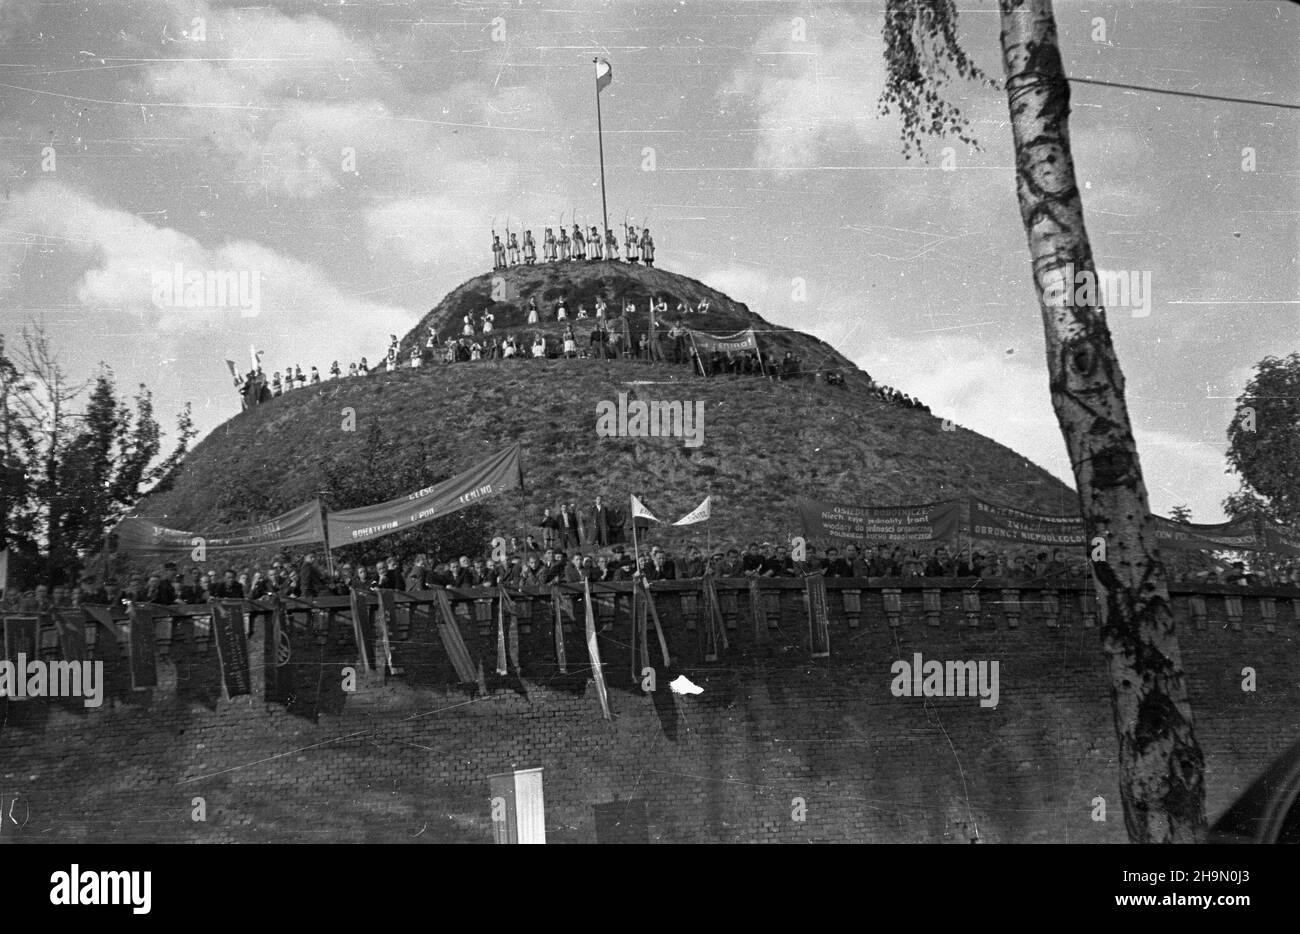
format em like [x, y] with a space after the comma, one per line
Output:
[599, 524]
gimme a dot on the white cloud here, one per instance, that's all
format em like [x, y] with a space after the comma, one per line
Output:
[1005, 397]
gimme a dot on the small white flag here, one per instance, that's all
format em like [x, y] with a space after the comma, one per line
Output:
[699, 514]
[684, 685]
[639, 510]
[604, 74]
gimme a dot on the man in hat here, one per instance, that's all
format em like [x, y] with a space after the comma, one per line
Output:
[632, 244]
[593, 244]
[647, 248]
[549, 254]
[530, 248]
[498, 252]
[611, 244]
[514, 249]
[579, 243]
[564, 245]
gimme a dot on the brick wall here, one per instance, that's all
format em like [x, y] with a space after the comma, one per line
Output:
[407, 758]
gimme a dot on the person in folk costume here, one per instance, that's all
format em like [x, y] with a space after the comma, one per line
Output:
[647, 248]
[415, 355]
[275, 383]
[600, 309]
[561, 313]
[352, 369]
[494, 348]
[449, 350]
[315, 375]
[539, 345]
[299, 377]
[530, 248]
[468, 328]
[611, 244]
[593, 244]
[488, 320]
[508, 348]
[514, 249]
[432, 340]
[549, 254]
[390, 362]
[564, 245]
[579, 243]
[532, 309]
[570, 345]
[631, 244]
[476, 351]
[582, 311]
[363, 368]
[335, 372]
[498, 252]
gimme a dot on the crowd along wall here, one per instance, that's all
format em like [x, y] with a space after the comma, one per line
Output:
[778, 746]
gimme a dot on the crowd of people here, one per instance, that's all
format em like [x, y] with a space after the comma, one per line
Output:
[582, 244]
[570, 551]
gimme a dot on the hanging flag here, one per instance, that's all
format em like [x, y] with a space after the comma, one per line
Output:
[360, 617]
[231, 639]
[558, 607]
[640, 512]
[699, 514]
[385, 620]
[604, 74]
[234, 373]
[819, 637]
[144, 660]
[593, 651]
[276, 644]
[72, 635]
[454, 643]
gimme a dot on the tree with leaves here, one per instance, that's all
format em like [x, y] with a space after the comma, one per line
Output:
[1162, 768]
[83, 468]
[1264, 443]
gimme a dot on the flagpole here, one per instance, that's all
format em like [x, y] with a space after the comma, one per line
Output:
[600, 137]
[636, 551]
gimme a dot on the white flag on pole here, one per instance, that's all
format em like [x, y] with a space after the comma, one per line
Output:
[640, 512]
[699, 514]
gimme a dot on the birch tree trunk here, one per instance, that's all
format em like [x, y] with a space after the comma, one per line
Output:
[1161, 765]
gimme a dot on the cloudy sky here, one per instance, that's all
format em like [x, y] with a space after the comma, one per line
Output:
[355, 154]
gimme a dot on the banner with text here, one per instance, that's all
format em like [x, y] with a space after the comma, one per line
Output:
[300, 526]
[921, 523]
[1236, 534]
[500, 472]
[1007, 524]
[741, 340]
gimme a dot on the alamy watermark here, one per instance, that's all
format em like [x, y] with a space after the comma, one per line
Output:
[208, 289]
[639, 419]
[37, 678]
[80, 886]
[1109, 288]
[933, 678]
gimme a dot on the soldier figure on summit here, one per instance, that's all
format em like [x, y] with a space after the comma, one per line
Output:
[593, 244]
[549, 254]
[611, 244]
[579, 243]
[530, 248]
[631, 245]
[647, 248]
[498, 252]
[514, 249]
[564, 245]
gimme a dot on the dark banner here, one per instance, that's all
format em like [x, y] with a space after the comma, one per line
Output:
[818, 616]
[140, 649]
[1007, 524]
[232, 647]
[500, 472]
[21, 633]
[72, 634]
[921, 523]
[1282, 541]
[277, 656]
[741, 340]
[300, 526]
[1236, 534]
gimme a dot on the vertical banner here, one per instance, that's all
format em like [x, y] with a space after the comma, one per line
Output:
[639, 624]
[501, 637]
[21, 633]
[654, 616]
[757, 611]
[277, 652]
[593, 653]
[449, 633]
[144, 661]
[558, 613]
[231, 640]
[818, 618]
[72, 634]
[713, 625]
[359, 613]
[385, 620]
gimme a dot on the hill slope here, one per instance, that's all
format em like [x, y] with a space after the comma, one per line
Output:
[765, 443]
